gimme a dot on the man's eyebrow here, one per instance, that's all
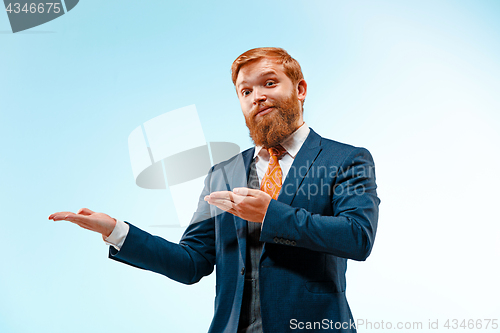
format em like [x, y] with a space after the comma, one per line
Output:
[269, 72]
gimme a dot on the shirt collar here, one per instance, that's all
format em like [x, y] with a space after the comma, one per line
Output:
[292, 144]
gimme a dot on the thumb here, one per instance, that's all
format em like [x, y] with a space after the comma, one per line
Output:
[243, 191]
[85, 211]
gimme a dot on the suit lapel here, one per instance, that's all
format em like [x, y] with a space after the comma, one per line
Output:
[240, 224]
[300, 167]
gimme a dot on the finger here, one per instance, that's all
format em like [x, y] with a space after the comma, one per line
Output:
[85, 211]
[223, 203]
[221, 195]
[77, 218]
[225, 208]
[237, 199]
[245, 191]
[58, 216]
[218, 205]
[213, 203]
[83, 221]
[52, 216]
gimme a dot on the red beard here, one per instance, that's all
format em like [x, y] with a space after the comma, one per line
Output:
[272, 128]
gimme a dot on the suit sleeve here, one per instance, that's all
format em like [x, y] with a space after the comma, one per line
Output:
[350, 231]
[186, 262]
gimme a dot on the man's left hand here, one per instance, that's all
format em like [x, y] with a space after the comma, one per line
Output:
[249, 204]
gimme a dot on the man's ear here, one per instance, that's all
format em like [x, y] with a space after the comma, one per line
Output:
[302, 90]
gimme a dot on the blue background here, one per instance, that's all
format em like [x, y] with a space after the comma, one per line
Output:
[414, 82]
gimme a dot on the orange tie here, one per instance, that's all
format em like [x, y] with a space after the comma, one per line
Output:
[271, 182]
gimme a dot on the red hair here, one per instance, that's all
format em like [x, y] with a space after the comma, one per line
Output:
[291, 66]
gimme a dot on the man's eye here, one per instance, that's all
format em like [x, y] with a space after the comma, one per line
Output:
[270, 83]
[245, 92]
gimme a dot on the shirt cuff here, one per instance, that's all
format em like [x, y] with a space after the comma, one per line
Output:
[118, 235]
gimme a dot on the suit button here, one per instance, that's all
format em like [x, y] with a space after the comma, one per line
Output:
[287, 242]
[293, 243]
[282, 241]
[276, 239]
[243, 271]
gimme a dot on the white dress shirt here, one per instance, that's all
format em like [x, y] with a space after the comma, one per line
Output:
[292, 144]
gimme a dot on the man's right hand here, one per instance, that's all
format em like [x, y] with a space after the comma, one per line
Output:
[85, 218]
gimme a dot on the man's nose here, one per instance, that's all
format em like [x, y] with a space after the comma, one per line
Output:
[258, 96]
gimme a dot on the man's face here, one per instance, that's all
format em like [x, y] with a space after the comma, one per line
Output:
[270, 102]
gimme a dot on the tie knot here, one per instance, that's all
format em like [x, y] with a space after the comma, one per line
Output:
[276, 150]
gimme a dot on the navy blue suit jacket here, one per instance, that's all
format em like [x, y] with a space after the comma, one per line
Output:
[326, 213]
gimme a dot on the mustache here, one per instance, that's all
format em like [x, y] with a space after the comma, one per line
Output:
[257, 108]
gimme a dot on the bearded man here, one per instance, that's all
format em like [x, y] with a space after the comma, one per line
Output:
[279, 239]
